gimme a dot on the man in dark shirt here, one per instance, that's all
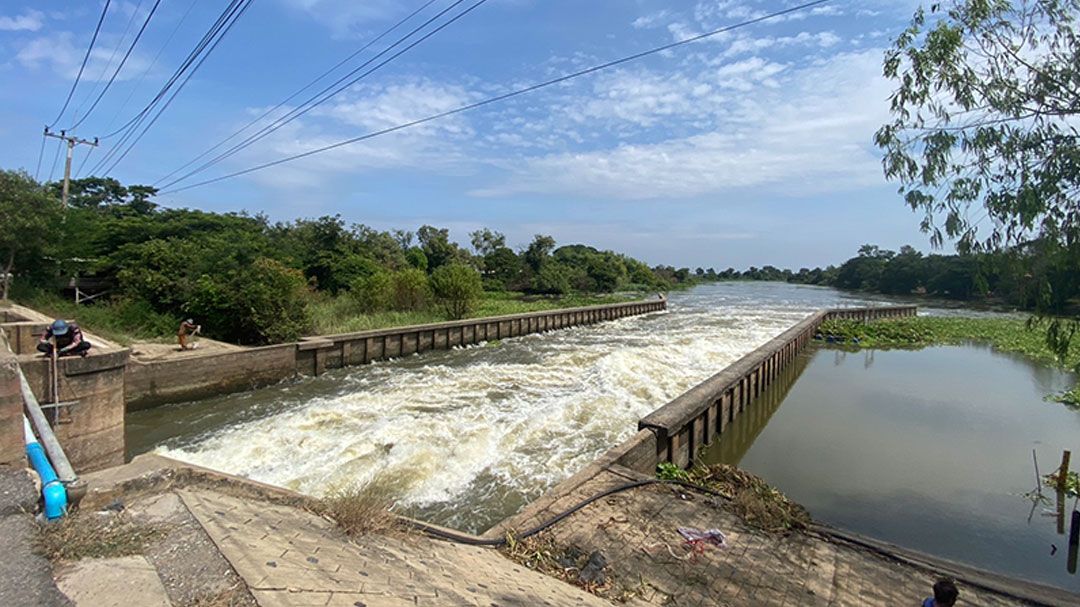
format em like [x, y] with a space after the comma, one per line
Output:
[63, 337]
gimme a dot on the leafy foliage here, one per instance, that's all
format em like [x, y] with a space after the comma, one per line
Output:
[251, 281]
[29, 217]
[984, 116]
[457, 288]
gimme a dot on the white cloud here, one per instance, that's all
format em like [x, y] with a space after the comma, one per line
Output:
[30, 21]
[345, 16]
[435, 146]
[811, 134]
[62, 55]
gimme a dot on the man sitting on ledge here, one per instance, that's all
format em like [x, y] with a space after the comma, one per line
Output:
[66, 338]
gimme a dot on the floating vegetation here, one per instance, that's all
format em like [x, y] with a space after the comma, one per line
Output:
[1070, 398]
[1007, 334]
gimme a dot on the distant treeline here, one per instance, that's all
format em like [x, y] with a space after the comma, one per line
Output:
[249, 280]
[1004, 276]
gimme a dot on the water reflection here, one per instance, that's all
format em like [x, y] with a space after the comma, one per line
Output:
[928, 449]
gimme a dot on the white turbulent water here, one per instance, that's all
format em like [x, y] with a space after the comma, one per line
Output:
[471, 435]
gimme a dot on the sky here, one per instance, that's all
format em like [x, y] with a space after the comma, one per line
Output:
[750, 148]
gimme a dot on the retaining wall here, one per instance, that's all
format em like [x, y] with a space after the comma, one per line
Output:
[676, 431]
[150, 384]
[92, 430]
[11, 408]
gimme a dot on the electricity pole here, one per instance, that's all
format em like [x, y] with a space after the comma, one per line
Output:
[72, 141]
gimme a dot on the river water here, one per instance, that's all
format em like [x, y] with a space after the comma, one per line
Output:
[929, 449]
[471, 435]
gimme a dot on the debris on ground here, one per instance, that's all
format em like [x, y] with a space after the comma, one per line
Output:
[751, 498]
[700, 540]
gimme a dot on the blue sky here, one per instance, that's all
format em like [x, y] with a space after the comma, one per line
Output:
[751, 148]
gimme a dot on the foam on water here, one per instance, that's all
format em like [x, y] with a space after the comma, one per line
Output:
[473, 434]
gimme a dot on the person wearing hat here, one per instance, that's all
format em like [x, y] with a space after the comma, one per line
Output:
[65, 337]
[187, 328]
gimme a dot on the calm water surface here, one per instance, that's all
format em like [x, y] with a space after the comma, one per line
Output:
[475, 433]
[929, 449]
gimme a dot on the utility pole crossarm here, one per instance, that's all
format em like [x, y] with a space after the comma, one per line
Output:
[72, 141]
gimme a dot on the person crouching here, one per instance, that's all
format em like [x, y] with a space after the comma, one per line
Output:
[65, 338]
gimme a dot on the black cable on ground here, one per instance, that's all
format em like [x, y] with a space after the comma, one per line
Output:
[470, 540]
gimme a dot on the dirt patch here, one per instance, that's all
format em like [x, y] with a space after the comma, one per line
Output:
[147, 351]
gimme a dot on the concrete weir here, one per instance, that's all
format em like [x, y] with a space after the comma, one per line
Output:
[109, 381]
[152, 383]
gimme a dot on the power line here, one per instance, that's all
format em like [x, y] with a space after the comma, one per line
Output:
[41, 154]
[301, 90]
[112, 57]
[149, 67]
[131, 48]
[86, 58]
[205, 41]
[234, 17]
[314, 101]
[505, 96]
[56, 158]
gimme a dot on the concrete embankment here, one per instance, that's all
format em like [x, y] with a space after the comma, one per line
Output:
[679, 429]
[153, 383]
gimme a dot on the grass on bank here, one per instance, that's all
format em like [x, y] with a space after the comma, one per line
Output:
[363, 509]
[341, 314]
[124, 321]
[82, 535]
[1013, 335]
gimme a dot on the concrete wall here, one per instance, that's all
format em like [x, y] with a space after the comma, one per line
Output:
[11, 406]
[92, 431]
[694, 419]
[149, 384]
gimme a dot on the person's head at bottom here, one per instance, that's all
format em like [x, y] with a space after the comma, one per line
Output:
[945, 594]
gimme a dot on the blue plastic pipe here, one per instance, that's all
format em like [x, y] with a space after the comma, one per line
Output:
[51, 488]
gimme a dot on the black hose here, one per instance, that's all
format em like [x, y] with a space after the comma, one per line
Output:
[471, 540]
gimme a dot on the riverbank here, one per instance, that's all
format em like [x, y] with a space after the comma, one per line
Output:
[134, 324]
[250, 544]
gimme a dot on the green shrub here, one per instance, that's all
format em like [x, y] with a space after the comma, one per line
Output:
[410, 290]
[265, 303]
[372, 293]
[457, 287]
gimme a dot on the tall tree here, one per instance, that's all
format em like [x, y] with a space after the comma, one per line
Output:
[984, 116]
[28, 217]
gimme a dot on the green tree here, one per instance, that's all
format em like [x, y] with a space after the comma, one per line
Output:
[435, 243]
[265, 302]
[984, 116]
[372, 293]
[538, 251]
[485, 242]
[457, 288]
[29, 217]
[410, 289]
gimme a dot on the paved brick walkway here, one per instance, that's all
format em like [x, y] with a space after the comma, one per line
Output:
[291, 557]
[636, 530]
